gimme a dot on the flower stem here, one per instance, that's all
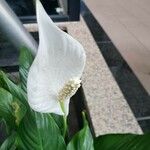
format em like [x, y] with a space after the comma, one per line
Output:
[64, 120]
[65, 126]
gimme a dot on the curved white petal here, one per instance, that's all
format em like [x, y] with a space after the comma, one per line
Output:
[59, 59]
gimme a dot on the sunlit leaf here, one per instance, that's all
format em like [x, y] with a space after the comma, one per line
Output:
[11, 109]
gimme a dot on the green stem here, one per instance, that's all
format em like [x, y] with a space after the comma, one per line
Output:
[65, 126]
[64, 120]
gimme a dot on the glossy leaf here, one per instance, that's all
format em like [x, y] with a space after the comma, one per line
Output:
[25, 61]
[83, 140]
[122, 142]
[15, 90]
[40, 132]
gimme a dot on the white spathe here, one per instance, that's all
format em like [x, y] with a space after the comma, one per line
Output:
[60, 59]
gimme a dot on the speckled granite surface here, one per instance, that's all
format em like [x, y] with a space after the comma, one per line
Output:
[108, 108]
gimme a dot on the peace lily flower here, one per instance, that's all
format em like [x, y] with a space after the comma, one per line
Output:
[54, 76]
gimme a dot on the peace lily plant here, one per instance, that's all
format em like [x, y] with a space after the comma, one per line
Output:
[35, 110]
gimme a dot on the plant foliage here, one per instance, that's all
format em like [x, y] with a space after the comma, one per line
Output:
[30, 130]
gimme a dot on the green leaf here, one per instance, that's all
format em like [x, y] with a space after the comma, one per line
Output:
[25, 61]
[59, 121]
[19, 111]
[11, 109]
[15, 90]
[83, 140]
[39, 132]
[9, 143]
[4, 130]
[6, 109]
[122, 142]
